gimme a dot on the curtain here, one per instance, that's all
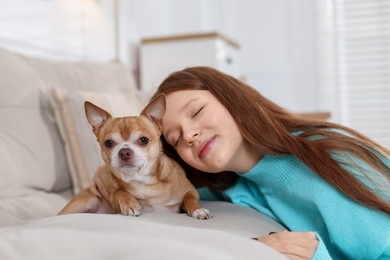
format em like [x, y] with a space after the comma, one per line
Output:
[354, 64]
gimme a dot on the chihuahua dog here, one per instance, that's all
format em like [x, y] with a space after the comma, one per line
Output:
[140, 176]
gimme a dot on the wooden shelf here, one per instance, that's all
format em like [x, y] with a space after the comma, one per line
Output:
[315, 115]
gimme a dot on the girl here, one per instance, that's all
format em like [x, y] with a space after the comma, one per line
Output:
[328, 184]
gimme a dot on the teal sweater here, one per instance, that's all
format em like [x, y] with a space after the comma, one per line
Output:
[286, 190]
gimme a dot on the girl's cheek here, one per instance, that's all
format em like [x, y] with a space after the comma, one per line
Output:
[181, 154]
[186, 156]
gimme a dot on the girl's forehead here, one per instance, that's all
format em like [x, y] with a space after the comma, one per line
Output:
[179, 96]
[186, 94]
[178, 101]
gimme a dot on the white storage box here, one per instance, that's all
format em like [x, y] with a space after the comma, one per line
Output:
[159, 56]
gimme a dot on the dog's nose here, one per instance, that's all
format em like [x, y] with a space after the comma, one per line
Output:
[125, 153]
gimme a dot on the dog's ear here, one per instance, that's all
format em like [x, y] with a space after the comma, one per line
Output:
[96, 116]
[155, 110]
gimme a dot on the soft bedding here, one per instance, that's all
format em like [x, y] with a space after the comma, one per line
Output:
[153, 235]
[32, 205]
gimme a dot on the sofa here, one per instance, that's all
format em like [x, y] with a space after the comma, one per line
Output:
[48, 153]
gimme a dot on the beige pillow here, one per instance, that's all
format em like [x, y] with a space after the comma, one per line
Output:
[82, 149]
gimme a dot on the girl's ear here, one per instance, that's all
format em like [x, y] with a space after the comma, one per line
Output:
[155, 110]
[96, 116]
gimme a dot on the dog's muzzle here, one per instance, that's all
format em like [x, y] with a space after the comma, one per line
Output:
[125, 154]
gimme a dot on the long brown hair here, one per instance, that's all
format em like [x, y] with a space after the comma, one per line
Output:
[268, 127]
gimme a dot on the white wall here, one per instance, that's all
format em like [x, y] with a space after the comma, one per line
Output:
[65, 29]
[279, 51]
[276, 37]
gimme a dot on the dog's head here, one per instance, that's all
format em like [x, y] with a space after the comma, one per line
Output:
[130, 146]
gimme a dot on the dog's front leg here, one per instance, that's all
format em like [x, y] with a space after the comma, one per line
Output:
[84, 202]
[125, 203]
[192, 207]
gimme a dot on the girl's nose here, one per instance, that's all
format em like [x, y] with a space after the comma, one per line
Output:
[191, 135]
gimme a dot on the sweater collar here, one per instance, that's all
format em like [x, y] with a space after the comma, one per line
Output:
[272, 169]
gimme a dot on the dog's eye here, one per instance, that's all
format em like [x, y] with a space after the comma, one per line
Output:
[108, 143]
[143, 140]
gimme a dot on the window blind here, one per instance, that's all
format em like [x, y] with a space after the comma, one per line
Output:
[355, 69]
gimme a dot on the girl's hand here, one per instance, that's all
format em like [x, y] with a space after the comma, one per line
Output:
[98, 184]
[294, 245]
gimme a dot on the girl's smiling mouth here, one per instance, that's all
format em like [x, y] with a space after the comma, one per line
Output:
[206, 146]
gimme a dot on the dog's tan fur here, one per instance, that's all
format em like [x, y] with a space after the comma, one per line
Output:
[139, 174]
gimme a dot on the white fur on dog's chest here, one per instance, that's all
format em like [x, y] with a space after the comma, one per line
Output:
[154, 195]
[140, 174]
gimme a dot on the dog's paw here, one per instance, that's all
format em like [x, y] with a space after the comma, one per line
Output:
[201, 214]
[134, 212]
[131, 209]
[125, 203]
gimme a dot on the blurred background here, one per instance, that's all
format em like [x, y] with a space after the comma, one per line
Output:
[309, 56]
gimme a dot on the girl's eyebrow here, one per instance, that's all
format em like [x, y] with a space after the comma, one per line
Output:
[188, 103]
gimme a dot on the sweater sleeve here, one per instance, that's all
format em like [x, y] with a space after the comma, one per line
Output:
[321, 252]
[302, 201]
[207, 194]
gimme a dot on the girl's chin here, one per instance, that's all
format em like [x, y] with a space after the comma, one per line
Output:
[215, 168]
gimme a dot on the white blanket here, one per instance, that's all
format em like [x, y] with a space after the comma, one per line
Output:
[153, 235]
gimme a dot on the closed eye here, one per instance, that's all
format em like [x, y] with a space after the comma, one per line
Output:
[177, 142]
[197, 112]
[194, 115]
